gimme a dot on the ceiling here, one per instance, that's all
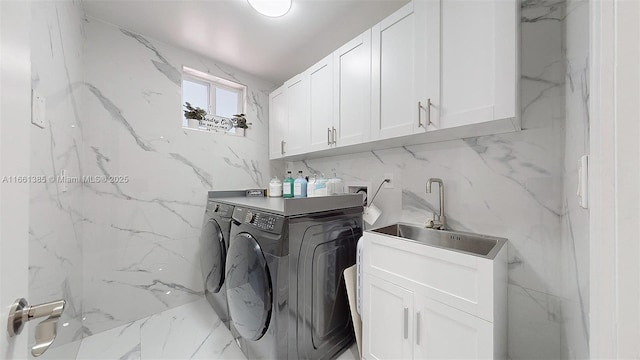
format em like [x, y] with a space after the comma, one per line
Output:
[231, 32]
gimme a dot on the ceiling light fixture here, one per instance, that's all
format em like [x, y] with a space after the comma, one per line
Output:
[271, 8]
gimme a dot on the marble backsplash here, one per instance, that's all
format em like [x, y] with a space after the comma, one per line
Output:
[516, 185]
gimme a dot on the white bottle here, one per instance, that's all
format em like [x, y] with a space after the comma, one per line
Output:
[335, 186]
[275, 187]
[321, 186]
[311, 186]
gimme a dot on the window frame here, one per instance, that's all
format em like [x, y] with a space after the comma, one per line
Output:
[213, 82]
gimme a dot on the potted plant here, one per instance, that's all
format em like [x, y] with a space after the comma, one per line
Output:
[194, 115]
[239, 121]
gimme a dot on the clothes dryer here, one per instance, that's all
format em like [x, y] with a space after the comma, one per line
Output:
[214, 243]
[284, 278]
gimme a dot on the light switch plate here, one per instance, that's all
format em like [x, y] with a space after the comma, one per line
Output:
[37, 109]
[583, 182]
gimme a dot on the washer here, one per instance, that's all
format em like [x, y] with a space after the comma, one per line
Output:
[214, 242]
[285, 287]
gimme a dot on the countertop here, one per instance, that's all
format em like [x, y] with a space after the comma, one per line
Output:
[288, 207]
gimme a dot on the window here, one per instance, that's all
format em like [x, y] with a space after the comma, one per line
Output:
[215, 95]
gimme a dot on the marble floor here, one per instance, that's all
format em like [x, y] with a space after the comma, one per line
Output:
[190, 331]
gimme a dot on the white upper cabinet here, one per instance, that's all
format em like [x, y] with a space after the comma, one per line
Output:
[478, 62]
[352, 91]
[297, 126]
[434, 70]
[405, 70]
[321, 111]
[277, 122]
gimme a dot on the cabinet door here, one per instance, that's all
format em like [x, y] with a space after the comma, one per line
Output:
[277, 122]
[352, 94]
[401, 79]
[321, 104]
[443, 332]
[297, 91]
[479, 60]
[387, 320]
[428, 61]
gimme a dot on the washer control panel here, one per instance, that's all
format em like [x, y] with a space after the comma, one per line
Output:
[260, 220]
[263, 221]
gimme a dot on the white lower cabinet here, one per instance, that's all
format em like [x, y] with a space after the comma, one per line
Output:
[389, 314]
[425, 302]
[401, 324]
[443, 332]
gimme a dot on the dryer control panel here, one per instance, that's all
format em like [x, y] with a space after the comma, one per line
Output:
[221, 210]
[263, 221]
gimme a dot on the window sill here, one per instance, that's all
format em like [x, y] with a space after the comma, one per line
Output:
[232, 132]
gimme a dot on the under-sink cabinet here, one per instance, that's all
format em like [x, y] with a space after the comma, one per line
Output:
[434, 70]
[425, 302]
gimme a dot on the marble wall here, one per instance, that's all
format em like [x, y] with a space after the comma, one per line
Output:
[575, 225]
[141, 237]
[56, 216]
[515, 185]
[119, 252]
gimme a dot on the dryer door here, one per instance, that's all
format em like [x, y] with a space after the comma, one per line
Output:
[249, 288]
[212, 256]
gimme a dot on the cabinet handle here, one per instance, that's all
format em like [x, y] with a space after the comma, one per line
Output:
[418, 328]
[428, 111]
[334, 134]
[328, 136]
[282, 147]
[406, 322]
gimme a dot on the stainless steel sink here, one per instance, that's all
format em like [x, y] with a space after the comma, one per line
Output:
[474, 244]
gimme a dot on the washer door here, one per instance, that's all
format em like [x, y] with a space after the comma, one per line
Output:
[249, 291]
[212, 256]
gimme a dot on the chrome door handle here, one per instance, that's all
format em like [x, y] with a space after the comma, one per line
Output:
[418, 328]
[406, 322]
[334, 134]
[328, 136]
[282, 147]
[419, 114]
[46, 331]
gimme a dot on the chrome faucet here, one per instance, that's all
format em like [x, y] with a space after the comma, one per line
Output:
[439, 220]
